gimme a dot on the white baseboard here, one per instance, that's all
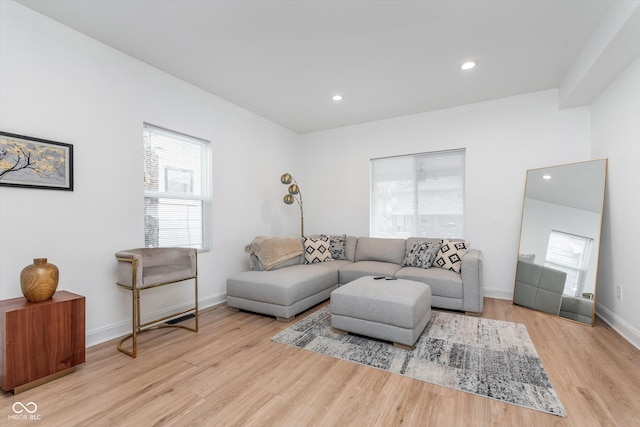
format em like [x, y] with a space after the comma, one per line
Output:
[498, 293]
[120, 329]
[627, 331]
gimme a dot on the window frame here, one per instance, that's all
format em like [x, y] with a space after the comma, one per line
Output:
[579, 271]
[416, 219]
[204, 198]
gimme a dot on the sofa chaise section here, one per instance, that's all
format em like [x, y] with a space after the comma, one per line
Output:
[284, 292]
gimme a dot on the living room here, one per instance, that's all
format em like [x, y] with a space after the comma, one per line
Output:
[60, 85]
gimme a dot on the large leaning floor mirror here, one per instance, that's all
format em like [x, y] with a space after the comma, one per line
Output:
[560, 240]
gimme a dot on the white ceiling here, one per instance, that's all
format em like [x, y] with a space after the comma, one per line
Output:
[284, 60]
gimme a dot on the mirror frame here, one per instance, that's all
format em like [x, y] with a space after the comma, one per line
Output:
[597, 256]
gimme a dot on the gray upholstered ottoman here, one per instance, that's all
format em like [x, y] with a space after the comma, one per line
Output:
[390, 310]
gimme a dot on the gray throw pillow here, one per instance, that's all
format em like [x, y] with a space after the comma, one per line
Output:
[422, 254]
[337, 246]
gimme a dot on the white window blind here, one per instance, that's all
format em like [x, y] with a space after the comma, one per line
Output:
[569, 253]
[418, 195]
[176, 189]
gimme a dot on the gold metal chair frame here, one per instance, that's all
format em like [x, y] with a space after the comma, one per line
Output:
[153, 324]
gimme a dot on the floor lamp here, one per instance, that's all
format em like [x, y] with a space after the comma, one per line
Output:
[294, 190]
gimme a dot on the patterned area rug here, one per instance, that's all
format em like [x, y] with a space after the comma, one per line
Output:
[490, 358]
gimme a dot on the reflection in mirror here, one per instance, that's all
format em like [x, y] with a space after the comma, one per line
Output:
[560, 240]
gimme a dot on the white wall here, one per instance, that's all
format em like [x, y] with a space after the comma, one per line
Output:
[503, 139]
[615, 128]
[59, 85]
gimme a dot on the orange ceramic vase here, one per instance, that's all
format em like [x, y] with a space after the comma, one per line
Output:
[39, 280]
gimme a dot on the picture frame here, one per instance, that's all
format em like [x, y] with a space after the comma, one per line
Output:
[35, 163]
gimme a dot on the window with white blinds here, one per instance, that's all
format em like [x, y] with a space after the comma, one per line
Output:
[176, 189]
[418, 195]
[569, 253]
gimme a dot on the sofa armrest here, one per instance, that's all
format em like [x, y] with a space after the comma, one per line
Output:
[471, 271]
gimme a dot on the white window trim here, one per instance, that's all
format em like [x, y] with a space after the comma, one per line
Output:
[581, 270]
[206, 184]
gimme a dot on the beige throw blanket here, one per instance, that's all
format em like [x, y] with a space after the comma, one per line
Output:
[272, 251]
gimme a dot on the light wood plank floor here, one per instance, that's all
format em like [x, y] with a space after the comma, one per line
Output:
[231, 373]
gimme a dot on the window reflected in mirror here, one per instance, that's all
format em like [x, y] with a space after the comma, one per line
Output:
[560, 240]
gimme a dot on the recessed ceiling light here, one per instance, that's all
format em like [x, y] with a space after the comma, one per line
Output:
[546, 177]
[337, 97]
[468, 65]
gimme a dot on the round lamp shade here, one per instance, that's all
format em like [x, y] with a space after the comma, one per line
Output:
[286, 178]
[288, 199]
[294, 189]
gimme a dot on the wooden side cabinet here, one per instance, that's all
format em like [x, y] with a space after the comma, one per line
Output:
[40, 341]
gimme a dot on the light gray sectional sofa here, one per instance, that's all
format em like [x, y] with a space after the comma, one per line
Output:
[292, 287]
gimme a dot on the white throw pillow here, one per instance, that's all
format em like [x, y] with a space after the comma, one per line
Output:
[450, 255]
[316, 249]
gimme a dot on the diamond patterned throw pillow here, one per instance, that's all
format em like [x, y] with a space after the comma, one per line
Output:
[422, 254]
[450, 255]
[316, 249]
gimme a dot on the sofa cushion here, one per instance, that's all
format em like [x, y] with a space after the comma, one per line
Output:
[444, 283]
[337, 247]
[450, 255]
[316, 249]
[421, 254]
[359, 269]
[285, 286]
[350, 248]
[378, 249]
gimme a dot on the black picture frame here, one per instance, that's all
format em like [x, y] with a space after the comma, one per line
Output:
[30, 162]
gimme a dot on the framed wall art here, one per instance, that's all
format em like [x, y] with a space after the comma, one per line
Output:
[35, 163]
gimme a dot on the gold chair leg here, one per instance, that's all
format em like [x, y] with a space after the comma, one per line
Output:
[135, 320]
[137, 327]
[195, 281]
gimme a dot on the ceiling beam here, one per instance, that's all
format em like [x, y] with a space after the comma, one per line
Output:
[613, 46]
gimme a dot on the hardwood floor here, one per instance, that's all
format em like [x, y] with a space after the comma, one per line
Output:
[231, 373]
